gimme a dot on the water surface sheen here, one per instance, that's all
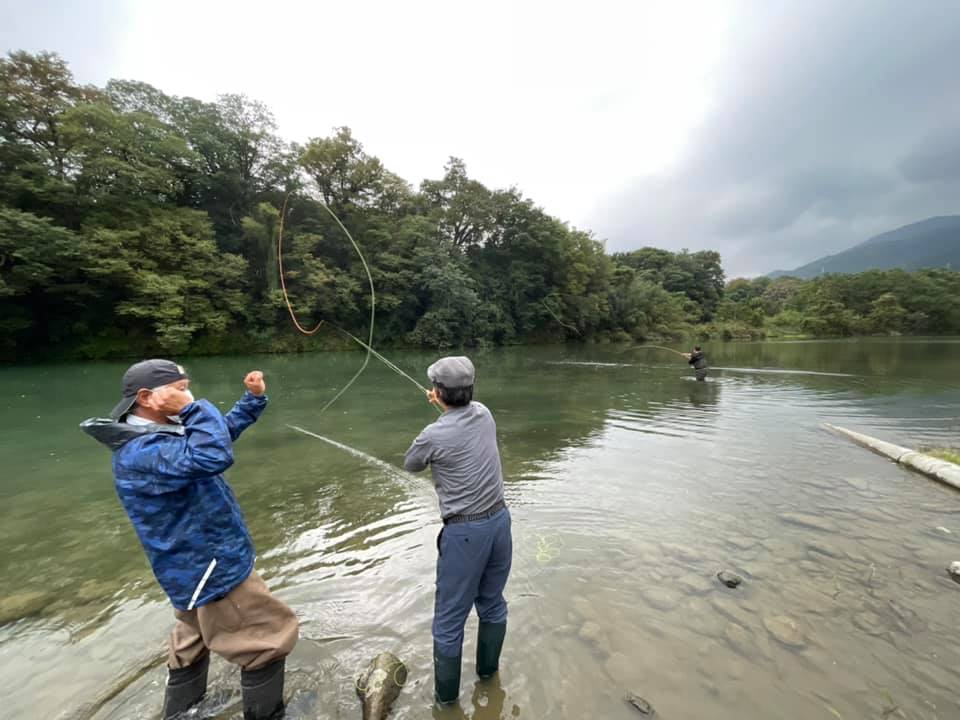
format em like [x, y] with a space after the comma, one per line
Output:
[630, 486]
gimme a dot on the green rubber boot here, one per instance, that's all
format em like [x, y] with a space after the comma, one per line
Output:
[446, 677]
[489, 644]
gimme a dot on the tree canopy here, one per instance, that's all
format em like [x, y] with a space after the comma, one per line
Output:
[136, 222]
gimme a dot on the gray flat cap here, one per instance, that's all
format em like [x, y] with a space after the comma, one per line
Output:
[452, 372]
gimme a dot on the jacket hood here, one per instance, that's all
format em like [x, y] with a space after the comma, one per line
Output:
[115, 434]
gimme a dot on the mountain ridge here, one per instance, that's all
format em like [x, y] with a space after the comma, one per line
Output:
[934, 242]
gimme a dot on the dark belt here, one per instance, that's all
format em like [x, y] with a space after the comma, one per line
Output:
[492, 510]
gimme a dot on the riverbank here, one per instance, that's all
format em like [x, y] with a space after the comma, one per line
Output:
[295, 344]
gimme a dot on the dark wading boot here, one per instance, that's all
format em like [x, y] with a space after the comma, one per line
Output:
[185, 687]
[446, 677]
[489, 643]
[263, 691]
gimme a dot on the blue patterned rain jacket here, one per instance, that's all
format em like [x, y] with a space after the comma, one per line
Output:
[170, 481]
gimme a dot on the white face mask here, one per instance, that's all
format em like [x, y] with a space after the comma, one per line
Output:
[176, 418]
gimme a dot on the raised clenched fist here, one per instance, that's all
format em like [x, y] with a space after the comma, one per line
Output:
[255, 383]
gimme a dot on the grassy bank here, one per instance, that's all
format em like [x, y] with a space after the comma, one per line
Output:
[948, 454]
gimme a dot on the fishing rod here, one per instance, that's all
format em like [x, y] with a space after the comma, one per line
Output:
[312, 331]
[557, 318]
[661, 347]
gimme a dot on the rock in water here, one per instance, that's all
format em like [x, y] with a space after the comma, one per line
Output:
[785, 630]
[729, 579]
[954, 570]
[638, 703]
[379, 685]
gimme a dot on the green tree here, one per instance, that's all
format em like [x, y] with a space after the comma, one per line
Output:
[887, 315]
[169, 282]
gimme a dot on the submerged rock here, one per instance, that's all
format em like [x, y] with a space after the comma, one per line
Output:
[785, 630]
[695, 585]
[860, 484]
[585, 608]
[731, 580]
[638, 703]
[682, 552]
[595, 637]
[21, 605]
[811, 522]
[870, 622]
[741, 542]
[817, 548]
[660, 599]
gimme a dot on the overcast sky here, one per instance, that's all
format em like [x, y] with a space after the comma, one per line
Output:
[774, 132]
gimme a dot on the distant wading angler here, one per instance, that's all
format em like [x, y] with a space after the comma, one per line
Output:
[475, 545]
[699, 362]
[169, 453]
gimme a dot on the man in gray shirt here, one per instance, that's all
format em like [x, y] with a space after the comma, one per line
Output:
[475, 543]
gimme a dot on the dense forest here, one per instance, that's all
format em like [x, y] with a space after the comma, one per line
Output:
[135, 222]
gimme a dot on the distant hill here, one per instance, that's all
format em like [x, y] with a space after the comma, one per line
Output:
[930, 243]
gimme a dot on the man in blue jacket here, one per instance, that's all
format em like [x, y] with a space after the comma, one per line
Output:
[169, 453]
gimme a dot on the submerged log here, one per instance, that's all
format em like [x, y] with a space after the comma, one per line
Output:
[946, 472]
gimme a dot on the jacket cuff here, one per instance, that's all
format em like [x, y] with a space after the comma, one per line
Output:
[259, 399]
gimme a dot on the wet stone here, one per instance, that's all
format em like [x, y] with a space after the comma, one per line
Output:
[731, 580]
[954, 570]
[639, 704]
[785, 630]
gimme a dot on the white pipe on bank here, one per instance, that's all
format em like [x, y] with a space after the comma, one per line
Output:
[945, 472]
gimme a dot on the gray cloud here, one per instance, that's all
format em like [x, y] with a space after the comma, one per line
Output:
[831, 122]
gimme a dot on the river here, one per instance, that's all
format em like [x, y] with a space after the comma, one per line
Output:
[630, 486]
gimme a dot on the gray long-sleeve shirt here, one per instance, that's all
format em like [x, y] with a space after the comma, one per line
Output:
[461, 450]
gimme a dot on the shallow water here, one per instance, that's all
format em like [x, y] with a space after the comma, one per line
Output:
[630, 486]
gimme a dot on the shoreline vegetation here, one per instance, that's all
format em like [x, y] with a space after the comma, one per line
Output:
[134, 223]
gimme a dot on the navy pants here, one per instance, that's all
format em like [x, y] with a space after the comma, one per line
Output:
[472, 570]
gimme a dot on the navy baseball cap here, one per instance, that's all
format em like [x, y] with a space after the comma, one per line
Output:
[146, 375]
